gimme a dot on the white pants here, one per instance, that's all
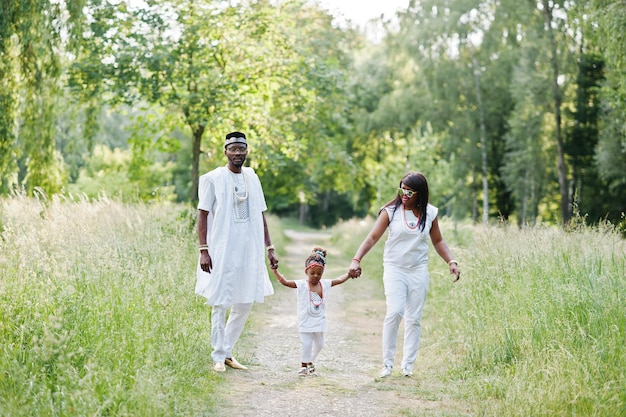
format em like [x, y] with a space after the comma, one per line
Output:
[312, 344]
[405, 293]
[223, 338]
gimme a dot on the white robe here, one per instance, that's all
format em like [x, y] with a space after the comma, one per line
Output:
[237, 248]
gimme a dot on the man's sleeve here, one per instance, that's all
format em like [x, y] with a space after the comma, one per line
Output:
[206, 193]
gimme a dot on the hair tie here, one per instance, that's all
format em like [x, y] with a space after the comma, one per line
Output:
[321, 255]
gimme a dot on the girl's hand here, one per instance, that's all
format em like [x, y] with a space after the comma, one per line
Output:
[354, 273]
[355, 268]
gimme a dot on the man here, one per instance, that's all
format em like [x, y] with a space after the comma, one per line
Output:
[233, 237]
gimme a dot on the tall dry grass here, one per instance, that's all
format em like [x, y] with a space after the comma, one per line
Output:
[98, 315]
[537, 324]
[97, 311]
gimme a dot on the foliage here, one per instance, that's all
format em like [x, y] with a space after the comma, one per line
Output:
[106, 173]
[31, 36]
[488, 99]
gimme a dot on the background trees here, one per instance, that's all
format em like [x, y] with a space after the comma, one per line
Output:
[512, 109]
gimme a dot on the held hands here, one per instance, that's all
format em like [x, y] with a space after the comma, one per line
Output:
[271, 256]
[355, 269]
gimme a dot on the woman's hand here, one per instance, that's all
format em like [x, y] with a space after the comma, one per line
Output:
[454, 270]
[355, 269]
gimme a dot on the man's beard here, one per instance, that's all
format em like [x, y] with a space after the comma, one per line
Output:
[237, 164]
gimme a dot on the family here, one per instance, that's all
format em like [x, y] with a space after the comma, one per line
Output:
[232, 275]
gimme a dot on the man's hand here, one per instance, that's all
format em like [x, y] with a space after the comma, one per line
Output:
[206, 264]
[271, 256]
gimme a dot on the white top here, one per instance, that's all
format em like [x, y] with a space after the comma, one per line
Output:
[406, 245]
[312, 308]
[235, 237]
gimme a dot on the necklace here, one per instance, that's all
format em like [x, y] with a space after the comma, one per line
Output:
[412, 223]
[237, 195]
[321, 298]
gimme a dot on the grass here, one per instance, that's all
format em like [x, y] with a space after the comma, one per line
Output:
[537, 324]
[98, 315]
[548, 323]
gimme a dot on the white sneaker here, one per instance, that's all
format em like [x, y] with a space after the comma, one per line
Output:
[386, 371]
[219, 367]
[407, 373]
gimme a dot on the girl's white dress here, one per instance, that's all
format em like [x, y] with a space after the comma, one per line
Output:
[312, 308]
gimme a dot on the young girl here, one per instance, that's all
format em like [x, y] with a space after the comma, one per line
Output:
[312, 293]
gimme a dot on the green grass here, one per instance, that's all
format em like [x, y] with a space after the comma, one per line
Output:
[546, 322]
[98, 315]
[537, 324]
[97, 311]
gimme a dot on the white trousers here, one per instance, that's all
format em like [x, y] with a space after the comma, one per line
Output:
[224, 334]
[405, 293]
[312, 344]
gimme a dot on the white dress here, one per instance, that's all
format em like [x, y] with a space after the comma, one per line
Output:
[311, 308]
[235, 237]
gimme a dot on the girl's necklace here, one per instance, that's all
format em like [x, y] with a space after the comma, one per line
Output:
[411, 224]
[321, 298]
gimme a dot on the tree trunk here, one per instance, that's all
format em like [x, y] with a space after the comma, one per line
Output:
[483, 136]
[195, 165]
[474, 198]
[556, 94]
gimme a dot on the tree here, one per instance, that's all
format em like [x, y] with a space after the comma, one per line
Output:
[605, 33]
[273, 71]
[31, 45]
[582, 137]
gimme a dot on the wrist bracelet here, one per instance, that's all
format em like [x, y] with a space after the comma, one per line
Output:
[270, 247]
[453, 261]
[356, 259]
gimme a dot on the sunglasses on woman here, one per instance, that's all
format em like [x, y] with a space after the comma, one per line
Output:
[408, 193]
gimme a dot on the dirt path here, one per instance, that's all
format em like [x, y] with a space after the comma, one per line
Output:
[348, 366]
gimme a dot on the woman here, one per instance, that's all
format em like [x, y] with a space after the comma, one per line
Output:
[411, 220]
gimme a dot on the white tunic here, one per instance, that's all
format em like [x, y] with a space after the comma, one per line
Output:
[235, 237]
[406, 246]
[312, 309]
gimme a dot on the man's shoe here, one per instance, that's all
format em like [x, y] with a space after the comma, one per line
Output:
[232, 362]
[386, 371]
[407, 373]
[219, 367]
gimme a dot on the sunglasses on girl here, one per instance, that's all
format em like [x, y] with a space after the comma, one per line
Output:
[408, 193]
